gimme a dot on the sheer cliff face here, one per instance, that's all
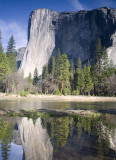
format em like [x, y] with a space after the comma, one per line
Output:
[19, 55]
[75, 33]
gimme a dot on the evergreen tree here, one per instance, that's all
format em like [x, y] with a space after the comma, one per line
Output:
[72, 70]
[64, 70]
[96, 70]
[57, 64]
[11, 54]
[80, 80]
[98, 62]
[45, 71]
[79, 63]
[1, 48]
[52, 65]
[35, 78]
[80, 76]
[4, 65]
[11, 45]
[105, 63]
[75, 80]
[84, 70]
[111, 68]
[88, 79]
[29, 78]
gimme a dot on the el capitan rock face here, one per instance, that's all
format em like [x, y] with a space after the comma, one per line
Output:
[19, 55]
[75, 33]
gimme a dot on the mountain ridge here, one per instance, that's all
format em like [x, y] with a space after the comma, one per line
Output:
[75, 33]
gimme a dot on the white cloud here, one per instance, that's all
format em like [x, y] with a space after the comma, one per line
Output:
[19, 32]
[76, 5]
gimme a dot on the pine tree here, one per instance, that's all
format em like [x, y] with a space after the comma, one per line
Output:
[72, 71]
[29, 78]
[88, 79]
[98, 62]
[84, 70]
[52, 66]
[1, 48]
[64, 70]
[80, 76]
[80, 80]
[4, 65]
[111, 68]
[45, 71]
[79, 63]
[75, 80]
[11, 45]
[96, 70]
[35, 78]
[105, 64]
[11, 54]
[57, 64]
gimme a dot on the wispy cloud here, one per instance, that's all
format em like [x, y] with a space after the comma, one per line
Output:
[76, 4]
[18, 30]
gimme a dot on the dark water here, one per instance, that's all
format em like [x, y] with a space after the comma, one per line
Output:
[58, 137]
[28, 104]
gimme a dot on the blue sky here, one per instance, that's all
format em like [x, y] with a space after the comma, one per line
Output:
[14, 14]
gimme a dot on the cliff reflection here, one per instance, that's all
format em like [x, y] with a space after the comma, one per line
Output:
[59, 137]
[35, 140]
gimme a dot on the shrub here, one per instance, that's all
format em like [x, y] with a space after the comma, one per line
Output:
[75, 92]
[57, 92]
[24, 93]
[66, 91]
[8, 94]
[36, 93]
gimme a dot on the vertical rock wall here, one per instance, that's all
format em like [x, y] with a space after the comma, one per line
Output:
[75, 33]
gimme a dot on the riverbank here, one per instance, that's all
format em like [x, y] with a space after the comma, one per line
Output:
[69, 98]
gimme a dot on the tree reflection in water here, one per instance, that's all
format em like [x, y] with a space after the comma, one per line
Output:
[71, 137]
[6, 132]
[96, 129]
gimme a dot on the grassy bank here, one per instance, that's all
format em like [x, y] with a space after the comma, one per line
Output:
[68, 98]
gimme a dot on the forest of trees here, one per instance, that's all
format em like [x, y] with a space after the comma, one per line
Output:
[60, 76]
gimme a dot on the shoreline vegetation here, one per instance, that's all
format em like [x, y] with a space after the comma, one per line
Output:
[60, 76]
[47, 113]
[68, 98]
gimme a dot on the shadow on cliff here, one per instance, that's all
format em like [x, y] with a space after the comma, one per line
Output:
[71, 28]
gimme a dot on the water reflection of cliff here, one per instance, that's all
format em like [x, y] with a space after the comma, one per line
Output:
[35, 140]
[61, 137]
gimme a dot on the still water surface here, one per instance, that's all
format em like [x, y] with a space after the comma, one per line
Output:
[58, 137]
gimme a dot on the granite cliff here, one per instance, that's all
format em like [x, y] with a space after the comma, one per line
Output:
[19, 55]
[75, 33]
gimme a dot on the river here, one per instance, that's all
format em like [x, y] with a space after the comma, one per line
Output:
[58, 137]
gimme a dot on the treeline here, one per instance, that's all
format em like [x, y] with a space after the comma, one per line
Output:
[8, 64]
[62, 77]
[10, 80]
